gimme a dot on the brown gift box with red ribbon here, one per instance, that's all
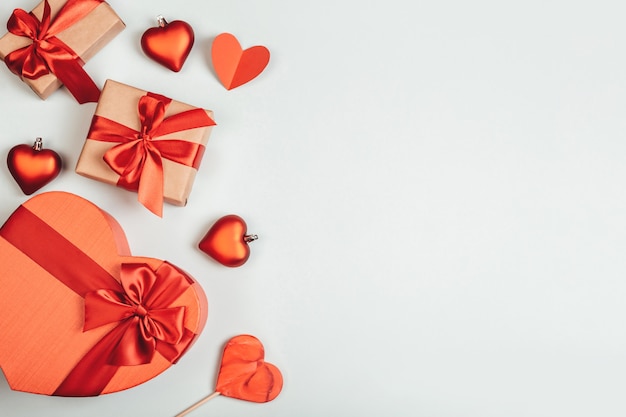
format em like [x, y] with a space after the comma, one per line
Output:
[48, 47]
[145, 142]
[81, 316]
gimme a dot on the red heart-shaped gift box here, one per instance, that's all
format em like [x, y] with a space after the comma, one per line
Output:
[80, 316]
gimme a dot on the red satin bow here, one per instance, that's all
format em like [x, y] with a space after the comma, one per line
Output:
[138, 159]
[145, 321]
[48, 54]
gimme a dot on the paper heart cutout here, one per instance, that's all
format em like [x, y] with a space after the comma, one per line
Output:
[55, 249]
[169, 44]
[235, 66]
[245, 375]
[33, 167]
[227, 241]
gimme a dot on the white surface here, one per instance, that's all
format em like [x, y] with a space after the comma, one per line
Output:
[438, 190]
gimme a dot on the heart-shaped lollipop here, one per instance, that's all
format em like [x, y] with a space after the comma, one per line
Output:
[32, 166]
[227, 241]
[235, 66]
[244, 374]
[169, 44]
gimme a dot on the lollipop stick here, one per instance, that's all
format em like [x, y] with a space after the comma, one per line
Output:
[198, 404]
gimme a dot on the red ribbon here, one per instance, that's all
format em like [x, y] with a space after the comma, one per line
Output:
[47, 53]
[141, 306]
[138, 159]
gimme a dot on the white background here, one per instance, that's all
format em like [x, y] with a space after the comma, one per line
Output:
[438, 188]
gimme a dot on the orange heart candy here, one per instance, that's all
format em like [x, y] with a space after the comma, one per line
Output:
[169, 44]
[235, 66]
[245, 375]
[78, 313]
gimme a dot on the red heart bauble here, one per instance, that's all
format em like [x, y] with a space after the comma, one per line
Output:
[33, 167]
[245, 375]
[227, 241]
[235, 66]
[168, 44]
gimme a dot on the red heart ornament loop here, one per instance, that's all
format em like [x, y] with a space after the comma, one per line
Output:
[169, 44]
[235, 66]
[33, 167]
[245, 375]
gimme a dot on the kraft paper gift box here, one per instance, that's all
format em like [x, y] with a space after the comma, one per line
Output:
[78, 29]
[145, 142]
[80, 316]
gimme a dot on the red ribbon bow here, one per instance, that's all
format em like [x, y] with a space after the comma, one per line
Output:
[138, 159]
[47, 53]
[145, 321]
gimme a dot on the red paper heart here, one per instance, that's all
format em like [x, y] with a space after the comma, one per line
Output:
[168, 44]
[245, 375]
[235, 66]
[33, 167]
[227, 241]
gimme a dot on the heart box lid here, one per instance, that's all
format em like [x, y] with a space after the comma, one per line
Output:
[80, 316]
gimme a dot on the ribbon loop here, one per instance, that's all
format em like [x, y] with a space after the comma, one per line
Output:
[47, 53]
[22, 23]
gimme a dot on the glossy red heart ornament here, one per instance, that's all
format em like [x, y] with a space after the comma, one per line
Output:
[169, 44]
[245, 375]
[235, 66]
[227, 241]
[32, 166]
